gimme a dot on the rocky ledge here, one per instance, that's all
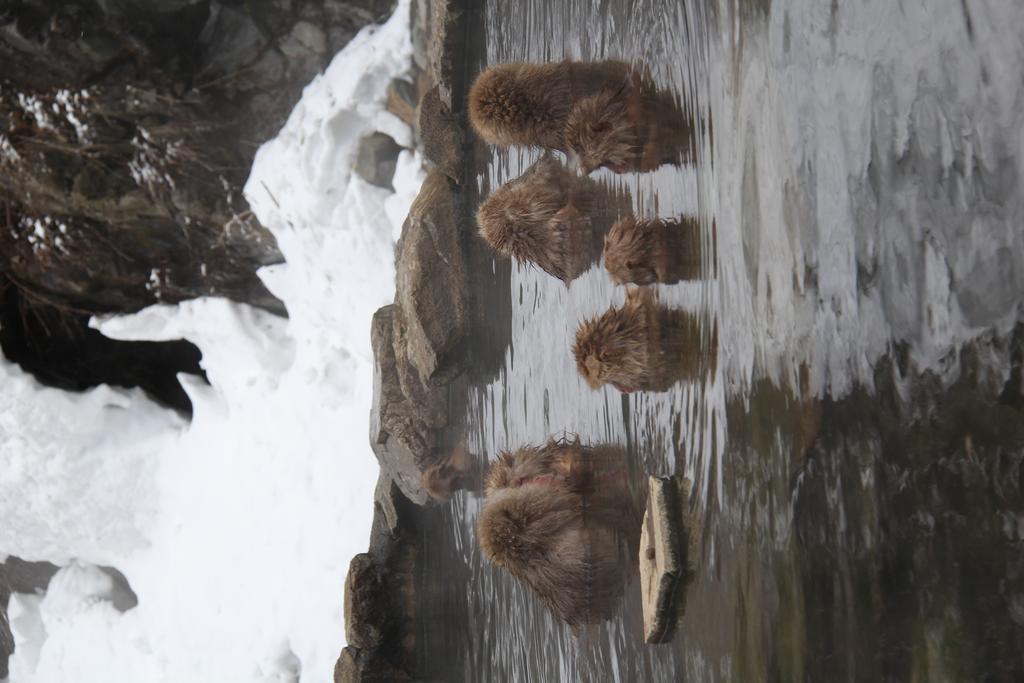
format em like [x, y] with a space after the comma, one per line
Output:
[420, 345]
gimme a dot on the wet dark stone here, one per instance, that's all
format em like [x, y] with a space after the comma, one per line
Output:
[380, 595]
[376, 159]
[59, 348]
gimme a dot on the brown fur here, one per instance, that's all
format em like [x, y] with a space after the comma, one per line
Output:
[647, 251]
[443, 479]
[600, 132]
[636, 127]
[608, 113]
[521, 104]
[643, 345]
[564, 459]
[549, 217]
[556, 521]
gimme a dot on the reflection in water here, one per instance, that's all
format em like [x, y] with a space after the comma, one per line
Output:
[647, 251]
[603, 114]
[643, 345]
[456, 472]
[562, 519]
[551, 217]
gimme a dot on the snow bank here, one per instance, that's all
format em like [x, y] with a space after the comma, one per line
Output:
[235, 531]
[77, 471]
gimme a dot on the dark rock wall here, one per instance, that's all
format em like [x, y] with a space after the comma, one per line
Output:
[127, 131]
[18, 576]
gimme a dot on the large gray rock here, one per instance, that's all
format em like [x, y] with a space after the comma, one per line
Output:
[400, 438]
[366, 613]
[418, 340]
[430, 279]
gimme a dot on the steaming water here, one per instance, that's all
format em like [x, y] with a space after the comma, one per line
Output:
[859, 173]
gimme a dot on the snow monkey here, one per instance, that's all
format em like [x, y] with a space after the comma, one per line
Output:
[646, 251]
[644, 345]
[603, 114]
[551, 217]
[454, 473]
[561, 519]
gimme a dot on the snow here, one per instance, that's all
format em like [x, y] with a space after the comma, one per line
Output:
[235, 530]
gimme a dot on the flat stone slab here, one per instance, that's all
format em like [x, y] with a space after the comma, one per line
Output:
[664, 557]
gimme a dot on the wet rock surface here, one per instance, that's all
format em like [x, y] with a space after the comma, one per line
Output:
[380, 595]
[430, 281]
[438, 335]
[376, 158]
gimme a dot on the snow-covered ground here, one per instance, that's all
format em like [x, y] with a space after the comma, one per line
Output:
[235, 530]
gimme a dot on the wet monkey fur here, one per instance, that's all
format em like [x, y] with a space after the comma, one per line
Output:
[608, 113]
[644, 345]
[644, 251]
[560, 519]
[551, 217]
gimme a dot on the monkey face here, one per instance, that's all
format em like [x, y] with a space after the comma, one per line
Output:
[615, 348]
[632, 250]
[599, 132]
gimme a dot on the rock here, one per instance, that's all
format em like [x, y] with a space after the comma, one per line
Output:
[376, 159]
[446, 50]
[380, 599]
[400, 439]
[61, 350]
[664, 551]
[402, 100]
[305, 39]
[366, 614]
[421, 33]
[441, 135]
[360, 666]
[384, 502]
[430, 278]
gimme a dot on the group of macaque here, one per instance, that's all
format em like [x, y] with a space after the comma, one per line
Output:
[560, 517]
[612, 115]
